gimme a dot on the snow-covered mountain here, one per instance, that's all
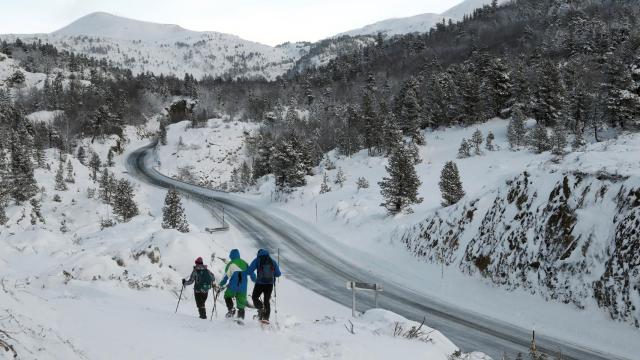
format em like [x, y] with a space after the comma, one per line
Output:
[418, 23]
[170, 49]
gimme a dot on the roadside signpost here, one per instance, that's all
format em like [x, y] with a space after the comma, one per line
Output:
[354, 285]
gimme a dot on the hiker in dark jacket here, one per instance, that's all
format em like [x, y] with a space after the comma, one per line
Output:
[204, 280]
[268, 270]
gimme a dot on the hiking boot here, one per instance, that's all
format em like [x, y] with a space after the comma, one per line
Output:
[231, 313]
[241, 314]
[203, 313]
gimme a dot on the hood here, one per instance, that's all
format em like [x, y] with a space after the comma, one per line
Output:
[263, 252]
[234, 254]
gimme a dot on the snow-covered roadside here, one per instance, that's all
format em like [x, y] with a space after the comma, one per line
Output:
[92, 294]
[354, 218]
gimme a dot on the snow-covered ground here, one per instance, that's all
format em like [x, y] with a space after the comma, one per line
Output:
[355, 218]
[88, 293]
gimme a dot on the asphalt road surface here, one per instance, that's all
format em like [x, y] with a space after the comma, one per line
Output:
[319, 265]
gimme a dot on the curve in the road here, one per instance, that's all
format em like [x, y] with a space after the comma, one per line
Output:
[324, 271]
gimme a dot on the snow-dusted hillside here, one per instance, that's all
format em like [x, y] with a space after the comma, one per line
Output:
[418, 23]
[70, 290]
[169, 49]
[520, 236]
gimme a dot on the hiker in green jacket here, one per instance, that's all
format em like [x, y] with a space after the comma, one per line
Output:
[235, 274]
[204, 280]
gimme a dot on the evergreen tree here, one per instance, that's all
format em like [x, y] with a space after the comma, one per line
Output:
[110, 156]
[124, 204]
[24, 184]
[464, 151]
[539, 139]
[61, 185]
[516, 132]
[489, 143]
[362, 183]
[450, 184]
[70, 175]
[400, 188]
[409, 111]
[499, 85]
[324, 187]
[173, 215]
[558, 140]
[287, 164]
[3, 214]
[476, 141]
[106, 186]
[549, 97]
[162, 133]
[81, 155]
[340, 177]
[36, 211]
[262, 161]
[328, 164]
[392, 138]
[373, 122]
[94, 165]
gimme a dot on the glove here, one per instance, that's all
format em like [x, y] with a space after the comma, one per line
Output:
[183, 282]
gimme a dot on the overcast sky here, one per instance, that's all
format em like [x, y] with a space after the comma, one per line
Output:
[267, 21]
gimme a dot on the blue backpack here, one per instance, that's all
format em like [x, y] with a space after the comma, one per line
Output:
[266, 270]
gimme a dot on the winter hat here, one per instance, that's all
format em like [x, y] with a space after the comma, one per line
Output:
[199, 261]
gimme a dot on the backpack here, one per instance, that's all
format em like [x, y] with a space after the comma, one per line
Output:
[266, 270]
[203, 280]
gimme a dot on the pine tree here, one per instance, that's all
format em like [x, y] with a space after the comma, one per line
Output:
[110, 156]
[173, 215]
[499, 85]
[476, 141]
[106, 186]
[262, 161]
[328, 164]
[400, 188]
[489, 143]
[341, 178]
[36, 212]
[409, 111]
[362, 183]
[23, 185]
[3, 214]
[287, 164]
[124, 204]
[94, 165]
[539, 139]
[558, 140]
[162, 133]
[81, 155]
[70, 175]
[464, 151]
[549, 97]
[324, 187]
[450, 184]
[516, 131]
[392, 135]
[373, 122]
[61, 185]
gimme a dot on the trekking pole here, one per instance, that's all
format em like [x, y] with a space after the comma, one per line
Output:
[213, 311]
[179, 298]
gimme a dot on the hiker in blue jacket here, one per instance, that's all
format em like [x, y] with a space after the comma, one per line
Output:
[204, 280]
[268, 270]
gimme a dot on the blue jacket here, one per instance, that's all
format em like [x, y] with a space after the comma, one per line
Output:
[263, 255]
[235, 273]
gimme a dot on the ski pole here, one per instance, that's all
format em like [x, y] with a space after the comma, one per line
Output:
[179, 298]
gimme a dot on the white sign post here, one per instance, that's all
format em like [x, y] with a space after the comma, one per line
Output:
[354, 285]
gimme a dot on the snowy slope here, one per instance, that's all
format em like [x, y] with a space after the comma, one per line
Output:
[169, 49]
[418, 23]
[398, 26]
[513, 290]
[86, 293]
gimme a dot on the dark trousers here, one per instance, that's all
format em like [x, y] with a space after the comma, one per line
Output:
[201, 298]
[263, 308]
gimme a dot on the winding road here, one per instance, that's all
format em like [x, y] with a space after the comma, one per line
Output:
[318, 265]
